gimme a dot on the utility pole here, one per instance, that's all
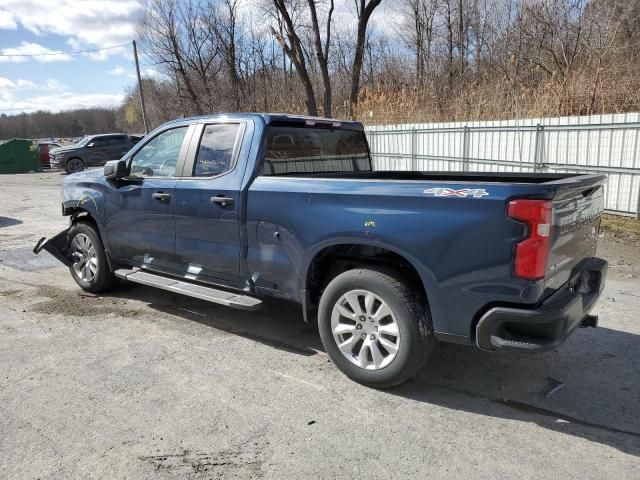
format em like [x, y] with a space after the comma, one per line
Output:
[144, 112]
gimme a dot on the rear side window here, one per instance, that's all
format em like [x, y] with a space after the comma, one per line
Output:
[117, 140]
[215, 153]
[300, 150]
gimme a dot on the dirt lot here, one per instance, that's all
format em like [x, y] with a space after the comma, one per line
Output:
[143, 384]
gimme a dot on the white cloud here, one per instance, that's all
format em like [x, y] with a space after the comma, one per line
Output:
[58, 102]
[20, 84]
[7, 21]
[148, 72]
[87, 23]
[29, 48]
[54, 85]
[8, 86]
[24, 95]
[117, 70]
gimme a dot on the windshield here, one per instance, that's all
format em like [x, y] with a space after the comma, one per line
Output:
[83, 142]
[299, 150]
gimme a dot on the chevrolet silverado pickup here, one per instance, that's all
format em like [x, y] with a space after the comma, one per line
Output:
[235, 208]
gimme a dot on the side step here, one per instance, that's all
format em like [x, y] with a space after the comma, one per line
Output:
[229, 299]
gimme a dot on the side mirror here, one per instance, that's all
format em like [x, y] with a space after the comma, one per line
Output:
[115, 169]
[90, 145]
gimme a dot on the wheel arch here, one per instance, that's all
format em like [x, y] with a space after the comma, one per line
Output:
[87, 212]
[332, 258]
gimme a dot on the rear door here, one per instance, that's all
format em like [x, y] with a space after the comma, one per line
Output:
[207, 204]
[139, 214]
[118, 146]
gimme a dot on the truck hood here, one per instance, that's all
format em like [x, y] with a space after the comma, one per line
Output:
[84, 175]
[70, 148]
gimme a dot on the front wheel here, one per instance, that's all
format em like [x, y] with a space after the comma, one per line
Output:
[74, 165]
[89, 267]
[375, 327]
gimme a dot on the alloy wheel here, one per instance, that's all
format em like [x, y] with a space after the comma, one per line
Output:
[365, 329]
[85, 260]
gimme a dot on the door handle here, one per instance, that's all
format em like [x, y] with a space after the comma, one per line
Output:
[160, 196]
[222, 201]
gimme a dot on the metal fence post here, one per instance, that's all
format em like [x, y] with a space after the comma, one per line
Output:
[372, 147]
[465, 149]
[414, 158]
[538, 153]
[638, 202]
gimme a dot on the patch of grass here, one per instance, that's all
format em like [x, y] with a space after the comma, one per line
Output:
[623, 229]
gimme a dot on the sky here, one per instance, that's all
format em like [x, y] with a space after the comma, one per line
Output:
[63, 82]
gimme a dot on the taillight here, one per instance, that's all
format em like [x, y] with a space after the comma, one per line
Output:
[532, 253]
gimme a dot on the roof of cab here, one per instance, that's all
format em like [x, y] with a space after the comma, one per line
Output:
[275, 119]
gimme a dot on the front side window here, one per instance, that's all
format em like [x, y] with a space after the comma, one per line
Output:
[299, 150]
[215, 153]
[100, 142]
[159, 156]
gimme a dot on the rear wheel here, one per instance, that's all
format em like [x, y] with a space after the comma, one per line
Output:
[89, 267]
[375, 327]
[74, 165]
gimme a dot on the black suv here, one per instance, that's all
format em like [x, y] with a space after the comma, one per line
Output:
[93, 150]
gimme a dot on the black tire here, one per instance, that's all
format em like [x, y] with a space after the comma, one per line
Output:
[103, 279]
[74, 165]
[416, 341]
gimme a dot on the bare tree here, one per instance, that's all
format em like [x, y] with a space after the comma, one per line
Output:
[290, 41]
[222, 20]
[322, 51]
[161, 31]
[364, 10]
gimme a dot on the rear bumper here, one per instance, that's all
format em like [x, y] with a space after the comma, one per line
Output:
[548, 325]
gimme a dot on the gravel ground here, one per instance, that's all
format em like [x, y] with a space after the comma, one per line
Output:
[143, 384]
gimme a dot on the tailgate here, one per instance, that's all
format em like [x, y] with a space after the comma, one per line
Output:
[577, 207]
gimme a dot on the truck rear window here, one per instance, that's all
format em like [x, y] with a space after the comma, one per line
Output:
[300, 150]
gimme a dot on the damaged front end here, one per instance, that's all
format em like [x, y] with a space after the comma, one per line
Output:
[58, 246]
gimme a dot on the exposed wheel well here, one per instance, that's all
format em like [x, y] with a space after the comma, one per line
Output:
[336, 259]
[80, 215]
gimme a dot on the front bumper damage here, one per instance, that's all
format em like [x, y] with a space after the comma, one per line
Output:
[545, 327]
[58, 246]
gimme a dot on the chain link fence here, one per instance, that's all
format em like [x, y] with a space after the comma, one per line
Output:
[605, 144]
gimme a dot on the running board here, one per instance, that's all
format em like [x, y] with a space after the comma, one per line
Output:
[222, 297]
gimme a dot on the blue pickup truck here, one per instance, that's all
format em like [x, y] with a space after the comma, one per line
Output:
[234, 208]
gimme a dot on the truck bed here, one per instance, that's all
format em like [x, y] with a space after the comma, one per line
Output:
[475, 177]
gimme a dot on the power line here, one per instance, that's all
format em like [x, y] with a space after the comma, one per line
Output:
[76, 52]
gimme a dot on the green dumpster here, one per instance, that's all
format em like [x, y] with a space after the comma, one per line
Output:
[18, 156]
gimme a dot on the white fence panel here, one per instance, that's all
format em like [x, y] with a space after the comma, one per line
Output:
[606, 144]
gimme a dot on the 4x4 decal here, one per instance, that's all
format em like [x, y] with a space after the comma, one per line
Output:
[463, 193]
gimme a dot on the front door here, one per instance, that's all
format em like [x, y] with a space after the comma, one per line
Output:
[97, 151]
[139, 214]
[207, 205]
[118, 146]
